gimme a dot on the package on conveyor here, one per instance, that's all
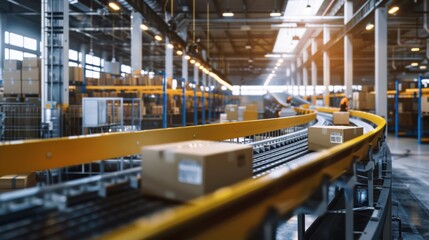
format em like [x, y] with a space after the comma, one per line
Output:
[186, 170]
[322, 137]
[341, 118]
[17, 181]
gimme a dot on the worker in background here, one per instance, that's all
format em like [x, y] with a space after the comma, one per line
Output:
[289, 100]
[344, 104]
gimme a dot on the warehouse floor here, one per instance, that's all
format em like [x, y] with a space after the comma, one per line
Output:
[410, 187]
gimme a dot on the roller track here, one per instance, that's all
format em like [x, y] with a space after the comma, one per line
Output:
[108, 203]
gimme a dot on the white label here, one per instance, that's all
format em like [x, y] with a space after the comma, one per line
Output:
[336, 137]
[190, 172]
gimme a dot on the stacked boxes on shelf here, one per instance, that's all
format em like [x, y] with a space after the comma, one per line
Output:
[12, 77]
[17, 181]
[364, 100]
[31, 78]
[76, 74]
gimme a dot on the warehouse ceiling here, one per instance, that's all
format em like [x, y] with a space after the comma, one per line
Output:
[237, 46]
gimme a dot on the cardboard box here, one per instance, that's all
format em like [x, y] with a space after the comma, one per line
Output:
[322, 137]
[367, 88]
[341, 118]
[30, 74]
[33, 62]
[31, 87]
[231, 111]
[17, 181]
[425, 104]
[12, 65]
[363, 101]
[193, 168]
[12, 82]
[250, 115]
[252, 107]
[157, 110]
[407, 120]
[176, 111]
[76, 74]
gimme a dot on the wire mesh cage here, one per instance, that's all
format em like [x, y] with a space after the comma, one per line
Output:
[20, 121]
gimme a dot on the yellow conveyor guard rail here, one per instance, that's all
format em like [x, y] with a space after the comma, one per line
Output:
[36, 155]
[236, 212]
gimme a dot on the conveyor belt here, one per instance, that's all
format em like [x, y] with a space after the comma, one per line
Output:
[92, 213]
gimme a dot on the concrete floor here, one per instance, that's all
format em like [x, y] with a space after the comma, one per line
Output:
[410, 187]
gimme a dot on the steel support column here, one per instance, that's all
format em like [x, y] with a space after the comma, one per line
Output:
[313, 71]
[381, 61]
[203, 96]
[348, 50]
[136, 42]
[184, 85]
[2, 30]
[298, 74]
[292, 77]
[168, 76]
[305, 80]
[195, 95]
[55, 71]
[83, 63]
[326, 66]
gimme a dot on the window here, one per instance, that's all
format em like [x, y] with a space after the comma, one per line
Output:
[72, 55]
[30, 43]
[125, 69]
[15, 55]
[29, 55]
[95, 60]
[6, 36]
[72, 64]
[16, 40]
[6, 53]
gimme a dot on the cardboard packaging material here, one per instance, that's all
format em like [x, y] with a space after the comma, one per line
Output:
[367, 88]
[12, 65]
[17, 181]
[341, 118]
[76, 74]
[176, 111]
[193, 168]
[322, 137]
[252, 107]
[31, 87]
[250, 115]
[231, 111]
[425, 104]
[30, 74]
[12, 82]
[363, 101]
[32, 62]
[157, 110]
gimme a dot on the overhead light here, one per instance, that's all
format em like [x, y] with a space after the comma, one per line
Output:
[248, 46]
[278, 64]
[415, 49]
[275, 13]
[188, 57]
[414, 64]
[144, 27]
[201, 67]
[179, 52]
[171, 46]
[192, 61]
[197, 64]
[393, 10]
[114, 6]
[250, 60]
[275, 68]
[158, 38]
[423, 67]
[272, 55]
[369, 26]
[308, 7]
[280, 60]
[228, 13]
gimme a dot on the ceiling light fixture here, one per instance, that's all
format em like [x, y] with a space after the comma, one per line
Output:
[415, 49]
[228, 13]
[250, 60]
[275, 13]
[114, 6]
[192, 61]
[308, 7]
[248, 46]
[423, 67]
[158, 38]
[179, 52]
[280, 60]
[393, 10]
[369, 26]
[170, 46]
[197, 64]
[414, 64]
[144, 27]
[187, 57]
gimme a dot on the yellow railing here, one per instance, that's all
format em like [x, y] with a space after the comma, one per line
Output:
[236, 212]
[35, 155]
